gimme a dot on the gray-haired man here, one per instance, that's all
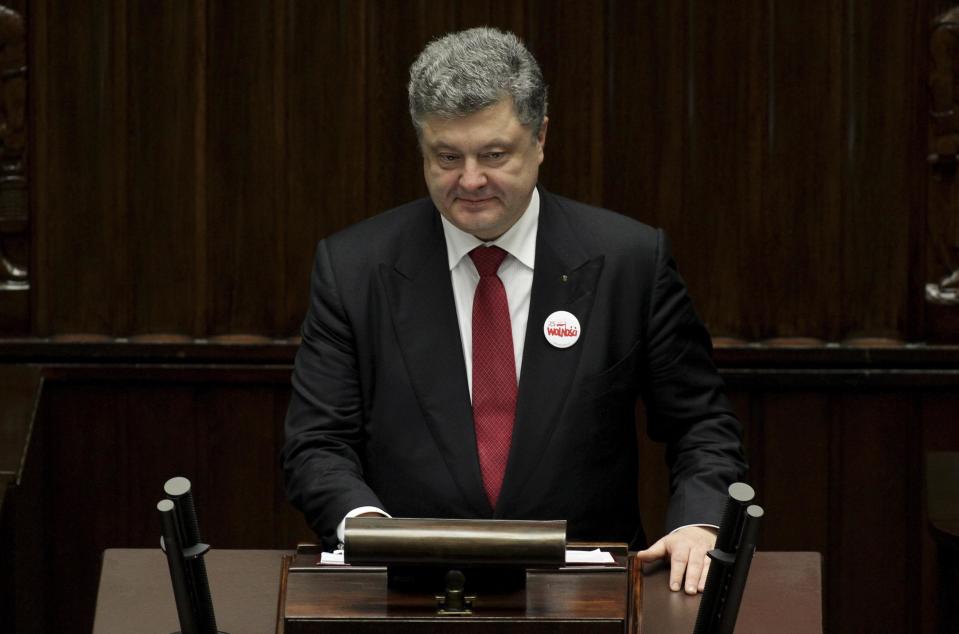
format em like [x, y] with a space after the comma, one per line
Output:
[479, 353]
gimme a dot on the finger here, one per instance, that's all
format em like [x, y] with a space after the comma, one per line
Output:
[654, 552]
[694, 569]
[677, 561]
[705, 574]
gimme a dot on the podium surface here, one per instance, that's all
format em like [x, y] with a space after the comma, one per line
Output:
[135, 595]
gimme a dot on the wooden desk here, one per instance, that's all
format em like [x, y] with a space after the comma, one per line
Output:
[135, 596]
[783, 595]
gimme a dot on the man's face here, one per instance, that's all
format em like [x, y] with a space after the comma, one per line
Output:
[481, 169]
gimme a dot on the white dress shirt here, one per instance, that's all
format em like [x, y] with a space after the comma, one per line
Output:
[516, 273]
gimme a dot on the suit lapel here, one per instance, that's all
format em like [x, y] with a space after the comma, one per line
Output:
[564, 279]
[424, 317]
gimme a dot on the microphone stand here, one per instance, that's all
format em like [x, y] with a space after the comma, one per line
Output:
[184, 550]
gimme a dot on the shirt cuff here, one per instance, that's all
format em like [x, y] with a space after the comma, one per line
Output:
[341, 527]
[670, 532]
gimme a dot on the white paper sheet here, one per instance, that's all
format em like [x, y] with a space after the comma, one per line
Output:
[335, 558]
[596, 556]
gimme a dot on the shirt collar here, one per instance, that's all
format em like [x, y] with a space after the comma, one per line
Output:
[519, 240]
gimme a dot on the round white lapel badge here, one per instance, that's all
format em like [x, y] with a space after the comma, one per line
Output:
[561, 329]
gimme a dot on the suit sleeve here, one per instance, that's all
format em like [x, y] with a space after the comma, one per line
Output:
[685, 402]
[324, 424]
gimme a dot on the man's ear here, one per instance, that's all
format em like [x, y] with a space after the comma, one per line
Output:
[541, 137]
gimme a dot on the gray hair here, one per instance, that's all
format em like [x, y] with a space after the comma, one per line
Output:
[464, 72]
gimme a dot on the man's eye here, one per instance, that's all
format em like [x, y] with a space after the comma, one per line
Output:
[447, 158]
[495, 156]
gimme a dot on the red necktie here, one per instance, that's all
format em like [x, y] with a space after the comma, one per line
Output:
[494, 370]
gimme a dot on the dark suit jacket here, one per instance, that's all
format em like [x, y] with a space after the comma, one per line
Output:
[381, 414]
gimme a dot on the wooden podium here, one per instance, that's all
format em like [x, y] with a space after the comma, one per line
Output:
[333, 599]
[783, 595]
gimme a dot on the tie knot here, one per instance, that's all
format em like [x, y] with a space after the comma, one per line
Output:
[487, 260]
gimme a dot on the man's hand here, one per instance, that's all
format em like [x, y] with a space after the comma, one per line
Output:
[686, 549]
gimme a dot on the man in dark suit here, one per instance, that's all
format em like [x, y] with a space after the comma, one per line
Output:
[479, 353]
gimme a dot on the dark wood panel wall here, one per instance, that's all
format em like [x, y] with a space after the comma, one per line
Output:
[188, 156]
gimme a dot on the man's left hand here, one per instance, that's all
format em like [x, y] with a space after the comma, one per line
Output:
[686, 549]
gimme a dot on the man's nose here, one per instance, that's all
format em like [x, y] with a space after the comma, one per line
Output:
[473, 177]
